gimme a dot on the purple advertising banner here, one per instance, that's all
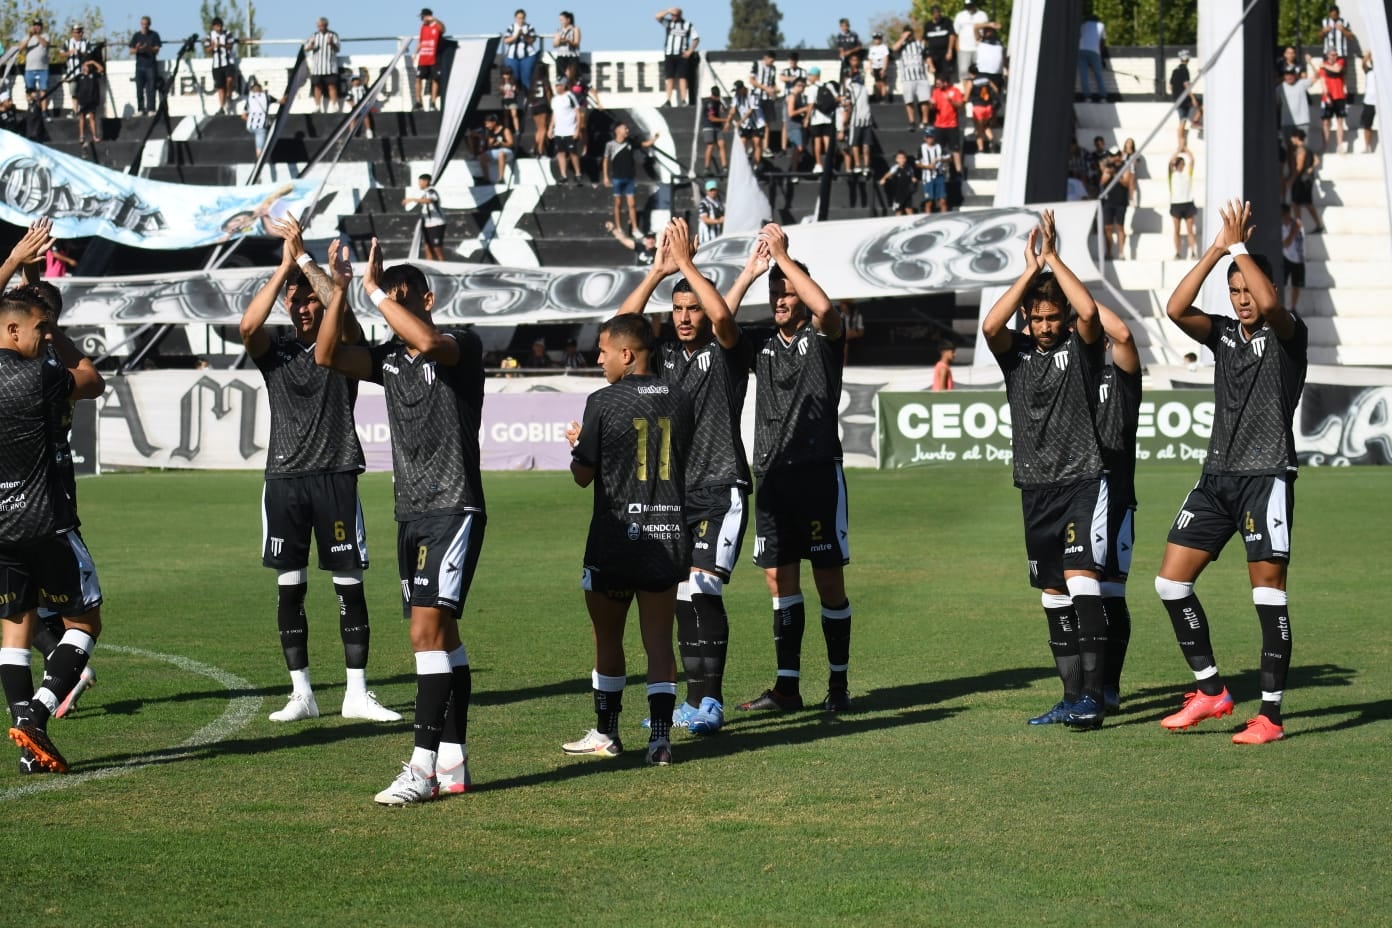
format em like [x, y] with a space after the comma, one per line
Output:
[521, 431]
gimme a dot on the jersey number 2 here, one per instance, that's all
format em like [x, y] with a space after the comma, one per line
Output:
[664, 452]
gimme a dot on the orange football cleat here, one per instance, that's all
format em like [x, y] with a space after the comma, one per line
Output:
[1198, 707]
[1260, 730]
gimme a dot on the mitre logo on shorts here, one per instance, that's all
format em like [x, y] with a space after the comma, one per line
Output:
[276, 545]
[1182, 521]
[339, 549]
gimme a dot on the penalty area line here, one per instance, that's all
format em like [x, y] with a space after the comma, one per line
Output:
[239, 712]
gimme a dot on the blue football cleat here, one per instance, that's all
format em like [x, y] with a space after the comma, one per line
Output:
[1085, 715]
[708, 719]
[1055, 715]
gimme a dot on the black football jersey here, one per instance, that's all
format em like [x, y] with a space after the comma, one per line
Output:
[796, 396]
[1052, 395]
[717, 380]
[60, 419]
[312, 427]
[33, 500]
[1256, 387]
[1118, 414]
[636, 434]
[435, 413]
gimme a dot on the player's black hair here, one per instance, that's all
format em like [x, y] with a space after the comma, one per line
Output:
[47, 294]
[406, 276]
[21, 301]
[299, 280]
[632, 328]
[1263, 265]
[684, 286]
[776, 272]
[1046, 289]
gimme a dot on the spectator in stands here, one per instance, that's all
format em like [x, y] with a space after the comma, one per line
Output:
[433, 220]
[821, 121]
[1094, 165]
[510, 93]
[89, 97]
[565, 44]
[967, 24]
[984, 98]
[10, 120]
[1369, 111]
[644, 250]
[914, 85]
[1191, 361]
[620, 172]
[991, 59]
[763, 89]
[1301, 165]
[940, 43]
[427, 59]
[1133, 163]
[796, 111]
[859, 123]
[942, 371]
[877, 56]
[36, 47]
[538, 359]
[58, 262]
[786, 78]
[521, 47]
[564, 123]
[748, 119]
[900, 183]
[1116, 183]
[847, 44]
[1335, 33]
[573, 359]
[221, 46]
[1077, 161]
[1190, 110]
[497, 150]
[585, 100]
[321, 49]
[1092, 45]
[145, 47]
[715, 116]
[357, 93]
[712, 214]
[681, 42]
[932, 162]
[947, 106]
[1076, 190]
[1334, 99]
[75, 51]
[35, 127]
[1293, 96]
[256, 112]
[1292, 255]
[539, 105]
[852, 326]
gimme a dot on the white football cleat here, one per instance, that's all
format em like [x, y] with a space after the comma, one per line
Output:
[454, 780]
[365, 706]
[594, 743]
[300, 707]
[410, 786]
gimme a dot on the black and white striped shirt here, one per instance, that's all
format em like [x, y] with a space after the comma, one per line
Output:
[222, 49]
[911, 62]
[791, 76]
[680, 35]
[322, 49]
[765, 74]
[566, 51]
[1335, 40]
[77, 50]
[257, 106]
[714, 209]
[520, 42]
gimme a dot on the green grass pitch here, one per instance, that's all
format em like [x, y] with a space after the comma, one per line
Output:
[932, 804]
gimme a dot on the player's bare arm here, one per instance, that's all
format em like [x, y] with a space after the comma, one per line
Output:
[1124, 354]
[417, 330]
[755, 267]
[288, 228]
[825, 319]
[663, 266]
[1233, 231]
[683, 250]
[87, 382]
[330, 351]
[1085, 308]
[996, 326]
[252, 327]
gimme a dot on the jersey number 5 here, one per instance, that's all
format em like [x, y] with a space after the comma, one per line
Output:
[664, 452]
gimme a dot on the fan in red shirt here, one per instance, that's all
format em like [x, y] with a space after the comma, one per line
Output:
[1334, 100]
[427, 48]
[947, 99]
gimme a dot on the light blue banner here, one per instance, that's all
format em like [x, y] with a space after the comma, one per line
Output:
[84, 199]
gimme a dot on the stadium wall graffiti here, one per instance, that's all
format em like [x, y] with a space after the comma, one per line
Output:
[84, 200]
[220, 420]
[860, 259]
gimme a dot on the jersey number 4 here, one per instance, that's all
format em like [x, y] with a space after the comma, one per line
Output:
[664, 452]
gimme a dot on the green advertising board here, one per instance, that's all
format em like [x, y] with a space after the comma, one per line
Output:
[922, 429]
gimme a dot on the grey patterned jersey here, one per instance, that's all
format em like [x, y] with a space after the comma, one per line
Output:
[1118, 414]
[1052, 395]
[716, 379]
[636, 434]
[60, 420]
[1256, 387]
[795, 400]
[435, 411]
[33, 501]
[312, 428]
